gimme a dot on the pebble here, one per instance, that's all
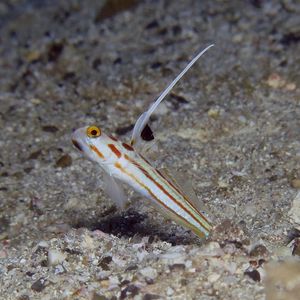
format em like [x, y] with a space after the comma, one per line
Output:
[211, 249]
[222, 184]
[43, 244]
[259, 250]
[32, 55]
[149, 272]
[214, 113]
[113, 282]
[141, 255]
[23, 261]
[36, 101]
[174, 255]
[295, 183]
[276, 81]
[294, 212]
[253, 274]
[213, 277]
[97, 296]
[170, 291]
[230, 280]
[151, 297]
[59, 269]
[87, 242]
[3, 253]
[38, 285]
[188, 264]
[230, 267]
[64, 161]
[55, 257]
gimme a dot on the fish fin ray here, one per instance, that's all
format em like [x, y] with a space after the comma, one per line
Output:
[144, 118]
[186, 187]
[114, 190]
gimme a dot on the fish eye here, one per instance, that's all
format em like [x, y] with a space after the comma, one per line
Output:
[93, 131]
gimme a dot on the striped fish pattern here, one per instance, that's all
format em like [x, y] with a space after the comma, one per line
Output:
[123, 162]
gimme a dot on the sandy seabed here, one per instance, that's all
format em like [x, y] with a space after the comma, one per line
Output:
[232, 125]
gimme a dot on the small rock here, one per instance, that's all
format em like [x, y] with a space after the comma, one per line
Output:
[54, 51]
[50, 128]
[231, 267]
[213, 277]
[149, 272]
[23, 261]
[290, 86]
[55, 257]
[113, 282]
[3, 254]
[230, 280]
[222, 184]
[39, 285]
[59, 269]
[104, 263]
[174, 255]
[214, 113]
[259, 250]
[230, 248]
[211, 249]
[72, 203]
[296, 247]
[151, 297]
[188, 264]
[237, 38]
[295, 183]
[32, 55]
[64, 161]
[177, 267]
[131, 267]
[35, 154]
[275, 81]
[98, 297]
[103, 275]
[87, 242]
[294, 212]
[253, 274]
[129, 291]
[169, 291]
[36, 101]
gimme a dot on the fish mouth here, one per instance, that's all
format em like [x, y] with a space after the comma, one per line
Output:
[77, 145]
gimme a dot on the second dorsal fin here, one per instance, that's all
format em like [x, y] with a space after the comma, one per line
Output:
[186, 187]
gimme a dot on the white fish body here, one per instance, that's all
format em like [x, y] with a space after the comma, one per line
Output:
[121, 161]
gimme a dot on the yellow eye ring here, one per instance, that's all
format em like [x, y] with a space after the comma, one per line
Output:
[93, 131]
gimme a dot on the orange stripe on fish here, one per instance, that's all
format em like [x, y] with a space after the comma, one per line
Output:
[95, 149]
[115, 150]
[118, 165]
[160, 186]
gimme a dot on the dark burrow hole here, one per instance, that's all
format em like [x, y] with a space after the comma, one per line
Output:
[133, 224]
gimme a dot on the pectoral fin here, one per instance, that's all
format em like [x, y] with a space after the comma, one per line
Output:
[114, 190]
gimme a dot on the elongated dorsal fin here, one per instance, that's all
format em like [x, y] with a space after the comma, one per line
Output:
[143, 120]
